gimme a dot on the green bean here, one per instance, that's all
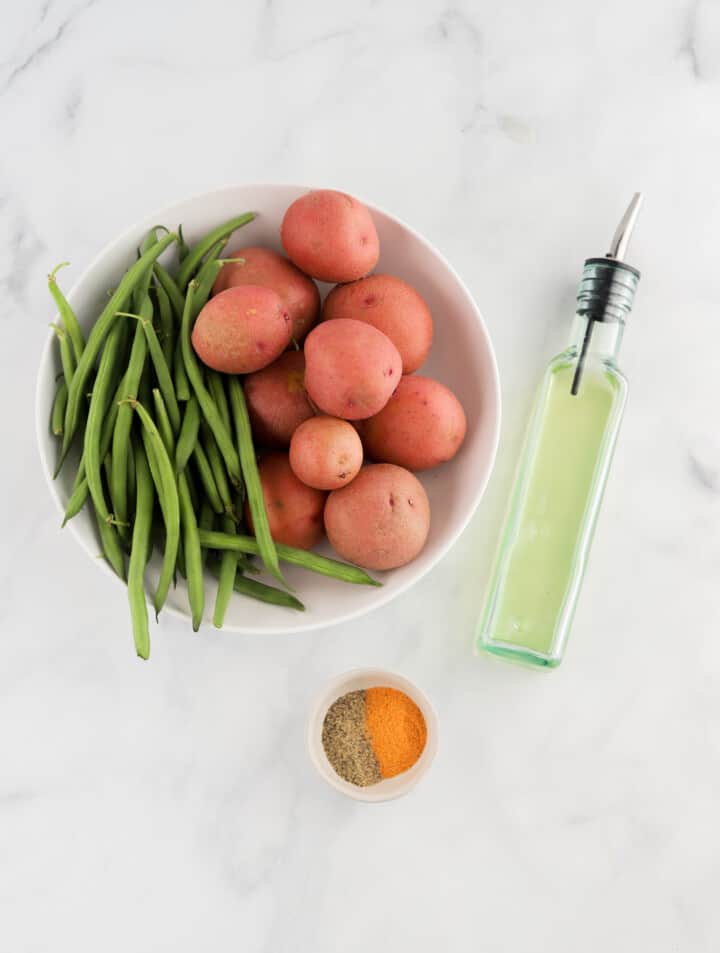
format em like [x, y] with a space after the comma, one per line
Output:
[121, 436]
[77, 500]
[167, 324]
[206, 478]
[198, 252]
[167, 489]
[188, 434]
[131, 481]
[67, 358]
[206, 520]
[57, 417]
[226, 577]
[193, 554]
[259, 590]
[253, 487]
[110, 545]
[182, 384]
[217, 391]
[163, 422]
[139, 553]
[299, 557]
[70, 322]
[207, 404]
[218, 471]
[91, 445]
[167, 282]
[207, 276]
[162, 371]
[183, 247]
[143, 285]
[99, 332]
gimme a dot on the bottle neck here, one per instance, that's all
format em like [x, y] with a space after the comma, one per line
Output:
[605, 339]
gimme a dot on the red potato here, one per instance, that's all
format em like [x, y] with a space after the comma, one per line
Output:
[262, 266]
[242, 329]
[326, 453]
[295, 511]
[381, 520]
[392, 306]
[277, 400]
[330, 236]
[351, 368]
[422, 425]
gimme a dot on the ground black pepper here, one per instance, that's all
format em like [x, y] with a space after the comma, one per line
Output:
[347, 743]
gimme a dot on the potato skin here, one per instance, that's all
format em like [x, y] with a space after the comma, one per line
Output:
[351, 368]
[277, 400]
[392, 306]
[242, 329]
[265, 267]
[326, 453]
[381, 521]
[421, 426]
[295, 511]
[330, 236]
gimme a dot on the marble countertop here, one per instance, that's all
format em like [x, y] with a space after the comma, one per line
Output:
[171, 806]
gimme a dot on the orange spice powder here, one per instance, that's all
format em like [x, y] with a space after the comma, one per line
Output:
[397, 729]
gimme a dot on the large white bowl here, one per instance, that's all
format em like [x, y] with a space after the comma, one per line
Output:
[462, 357]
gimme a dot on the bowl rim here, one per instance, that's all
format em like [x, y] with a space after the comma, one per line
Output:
[384, 595]
[401, 784]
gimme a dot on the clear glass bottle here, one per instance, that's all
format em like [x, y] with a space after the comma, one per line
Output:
[562, 472]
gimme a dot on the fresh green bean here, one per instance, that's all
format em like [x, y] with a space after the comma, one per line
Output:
[167, 324]
[207, 276]
[100, 331]
[217, 392]
[163, 422]
[188, 434]
[259, 590]
[198, 252]
[167, 490]
[121, 436]
[218, 471]
[143, 285]
[206, 520]
[67, 358]
[177, 301]
[193, 554]
[131, 482]
[180, 378]
[110, 545]
[57, 417]
[77, 500]
[162, 371]
[183, 247]
[226, 577]
[140, 552]
[299, 557]
[93, 434]
[253, 487]
[206, 478]
[70, 322]
[207, 404]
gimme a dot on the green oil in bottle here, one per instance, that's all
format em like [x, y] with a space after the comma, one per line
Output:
[562, 473]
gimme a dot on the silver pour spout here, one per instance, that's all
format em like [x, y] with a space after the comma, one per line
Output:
[623, 233]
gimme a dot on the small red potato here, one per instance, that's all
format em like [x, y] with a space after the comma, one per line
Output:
[351, 368]
[380, 521]
[277, 400]
[295, 511]
[392, 306]
[265, 267]
[326, 452]
[422, 425]
[330, 236]
[242, 329]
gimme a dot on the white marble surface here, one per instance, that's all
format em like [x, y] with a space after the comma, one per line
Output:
[171, 806]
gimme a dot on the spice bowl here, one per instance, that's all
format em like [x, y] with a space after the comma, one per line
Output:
[362, 679]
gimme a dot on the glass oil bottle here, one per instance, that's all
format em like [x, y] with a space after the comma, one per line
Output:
[562, 472]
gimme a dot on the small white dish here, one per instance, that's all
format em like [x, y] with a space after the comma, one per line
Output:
[462, 357]
[357, 680]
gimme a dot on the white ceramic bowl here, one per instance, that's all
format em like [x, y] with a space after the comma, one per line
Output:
[461, 356]
[357, 680]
